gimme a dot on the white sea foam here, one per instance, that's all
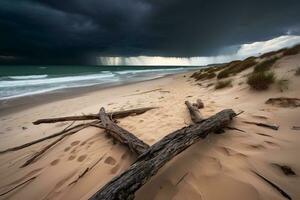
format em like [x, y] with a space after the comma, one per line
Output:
[54, 80]
[17, 86]
[28, 77]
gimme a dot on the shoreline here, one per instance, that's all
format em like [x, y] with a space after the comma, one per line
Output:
[229, 161]
[17, 104]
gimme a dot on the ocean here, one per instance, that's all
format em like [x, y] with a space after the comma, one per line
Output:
[18, 81]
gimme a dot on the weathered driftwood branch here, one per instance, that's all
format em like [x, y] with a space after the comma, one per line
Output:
[74, 128]
[194, 112]
[125, 137]
[126, 184]
[115, 115]
[282, 192]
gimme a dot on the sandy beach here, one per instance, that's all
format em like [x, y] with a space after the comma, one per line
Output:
[221, 166]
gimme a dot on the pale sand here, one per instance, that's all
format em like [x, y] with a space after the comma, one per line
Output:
[219, 167]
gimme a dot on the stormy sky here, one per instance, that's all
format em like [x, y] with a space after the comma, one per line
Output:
[79, 31]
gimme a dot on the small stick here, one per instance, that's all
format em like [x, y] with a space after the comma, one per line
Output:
[17, 186]
[39, 153]
[182, 178]
[274, 127]
[283, 193]
[45, 138]
[297, 128]
[239, 113]
[233, 128]
[88, 169]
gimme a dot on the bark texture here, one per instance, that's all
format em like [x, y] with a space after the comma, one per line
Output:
[126, 184]
[125, 137]
[115, 115]
[194, 112]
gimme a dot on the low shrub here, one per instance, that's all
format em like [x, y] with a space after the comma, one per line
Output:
[261, 80]
[203, 76]
[268, 54]
[265, 65]
[283, 84]
[292, 51]
[223, 84]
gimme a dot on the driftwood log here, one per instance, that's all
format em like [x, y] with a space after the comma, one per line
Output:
[125, 137]
[194, 112]
[126, 184]
[115, 115]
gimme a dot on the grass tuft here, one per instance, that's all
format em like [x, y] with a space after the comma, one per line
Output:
[236, 67]
[265, 65]
[203, 76]
[292, 51]
[223, 84]
[261, 80]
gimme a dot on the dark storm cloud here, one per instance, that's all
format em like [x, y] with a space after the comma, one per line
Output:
[75, 31]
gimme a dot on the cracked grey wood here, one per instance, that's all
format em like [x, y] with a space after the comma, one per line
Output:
[125, 137]
[115, 115]
[147, 165]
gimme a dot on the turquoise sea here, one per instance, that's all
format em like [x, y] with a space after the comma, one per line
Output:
[17, 81]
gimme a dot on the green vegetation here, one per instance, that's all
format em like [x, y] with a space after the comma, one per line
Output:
[297, 73]
[269, 54]
[223, 84]
[261, 80]
[292, 51]
[265, 65]
[203, 76]
[236, 67]
[283, 84]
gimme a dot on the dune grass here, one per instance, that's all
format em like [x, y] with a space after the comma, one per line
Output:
[292, 51]
[223, 84]
[265, 65]
[261, 80]
[236, 67]
[203, 76]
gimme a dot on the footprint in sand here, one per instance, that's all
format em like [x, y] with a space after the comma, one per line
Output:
[81, 158]
[72, 157]
[83, 143]
[54, 162]
[75, 143]
[73, 151]
[67, 149]
[124, 156]
[115, 169]
[110, 160]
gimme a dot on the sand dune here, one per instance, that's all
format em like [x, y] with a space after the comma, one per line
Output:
[220, 167]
